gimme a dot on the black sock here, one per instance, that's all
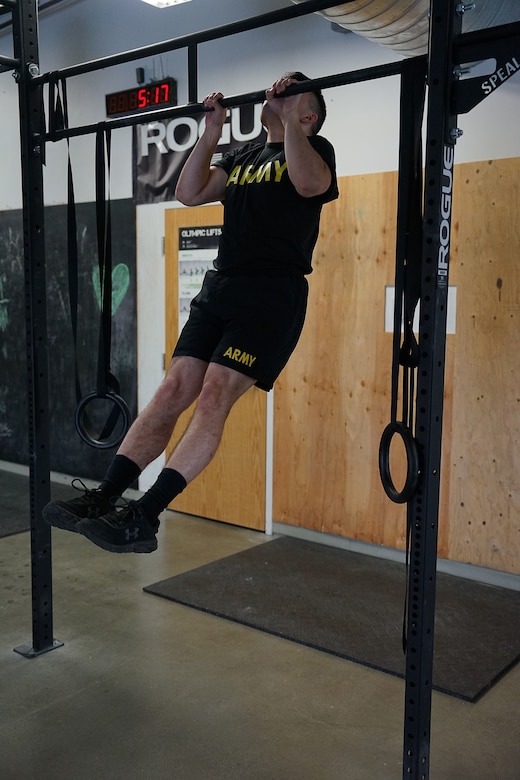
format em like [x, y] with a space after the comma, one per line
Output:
[119, 476]
[169, 484]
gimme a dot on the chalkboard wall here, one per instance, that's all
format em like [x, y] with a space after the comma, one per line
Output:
[69, 453]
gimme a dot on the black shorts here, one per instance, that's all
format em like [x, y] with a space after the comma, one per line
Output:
[249, 323]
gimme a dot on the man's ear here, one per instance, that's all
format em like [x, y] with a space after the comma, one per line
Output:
[309, 118]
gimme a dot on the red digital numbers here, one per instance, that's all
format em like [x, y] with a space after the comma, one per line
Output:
[139, 98]
[142, 98]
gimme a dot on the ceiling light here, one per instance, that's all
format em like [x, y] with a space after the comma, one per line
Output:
[165, 3]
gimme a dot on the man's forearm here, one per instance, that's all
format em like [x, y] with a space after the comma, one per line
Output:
[307, 170]
[195, 175]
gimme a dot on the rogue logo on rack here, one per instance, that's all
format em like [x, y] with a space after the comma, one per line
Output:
[445, 214]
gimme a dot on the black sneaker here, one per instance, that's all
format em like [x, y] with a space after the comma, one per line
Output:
[67, 514]
[122, 530]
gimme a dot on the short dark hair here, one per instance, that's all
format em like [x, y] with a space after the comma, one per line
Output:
[318, 103]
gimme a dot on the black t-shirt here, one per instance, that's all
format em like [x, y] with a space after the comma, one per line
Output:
[268, 227]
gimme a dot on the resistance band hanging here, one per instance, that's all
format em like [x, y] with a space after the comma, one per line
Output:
[94, 425]
[407, 282]
[407, 295]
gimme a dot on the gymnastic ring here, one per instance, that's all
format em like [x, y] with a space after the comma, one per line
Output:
[120, 410]
[412, 456]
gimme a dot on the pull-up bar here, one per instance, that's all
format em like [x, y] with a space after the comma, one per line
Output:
[324, 82]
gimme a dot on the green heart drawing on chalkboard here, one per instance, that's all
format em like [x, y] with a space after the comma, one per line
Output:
[120, 284]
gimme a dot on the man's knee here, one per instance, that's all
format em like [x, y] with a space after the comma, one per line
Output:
[182, 383]
[221, 388]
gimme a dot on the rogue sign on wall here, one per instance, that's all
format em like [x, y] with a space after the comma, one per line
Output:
[160, 149]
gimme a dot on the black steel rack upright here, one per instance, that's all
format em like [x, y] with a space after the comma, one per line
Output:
[26, 64]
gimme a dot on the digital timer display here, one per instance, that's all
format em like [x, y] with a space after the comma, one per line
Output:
[159, 94]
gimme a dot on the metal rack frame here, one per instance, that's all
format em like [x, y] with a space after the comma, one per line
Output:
[447, 97]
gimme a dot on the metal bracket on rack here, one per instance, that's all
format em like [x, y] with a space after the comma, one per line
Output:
[502, 45]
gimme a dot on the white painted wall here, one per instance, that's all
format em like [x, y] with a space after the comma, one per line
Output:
[362, 122]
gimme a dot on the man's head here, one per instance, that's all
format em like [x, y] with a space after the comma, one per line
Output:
[316, 101]
[312, 107]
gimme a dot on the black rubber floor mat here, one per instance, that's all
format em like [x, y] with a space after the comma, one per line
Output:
[351, 605]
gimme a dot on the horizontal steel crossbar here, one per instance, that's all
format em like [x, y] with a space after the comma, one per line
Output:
[222, 31]
[8, 63]
[191, 109]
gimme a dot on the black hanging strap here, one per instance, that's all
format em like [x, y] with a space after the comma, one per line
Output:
[58, 120]
[407, 281]
[407, 294]
[106, 382]
[118, 420]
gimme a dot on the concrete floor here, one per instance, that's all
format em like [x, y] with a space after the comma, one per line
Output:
[145, 688]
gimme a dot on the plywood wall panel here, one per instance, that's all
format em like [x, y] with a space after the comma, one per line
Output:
[484, 511]
[333, 400]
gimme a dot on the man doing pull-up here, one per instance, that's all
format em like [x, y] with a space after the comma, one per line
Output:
[243, 324]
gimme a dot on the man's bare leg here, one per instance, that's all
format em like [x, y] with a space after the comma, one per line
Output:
[133, 528]
[146, 439]
[222, 387]
[152, 430]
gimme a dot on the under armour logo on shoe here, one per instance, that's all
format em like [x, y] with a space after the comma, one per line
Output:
[131, 533]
